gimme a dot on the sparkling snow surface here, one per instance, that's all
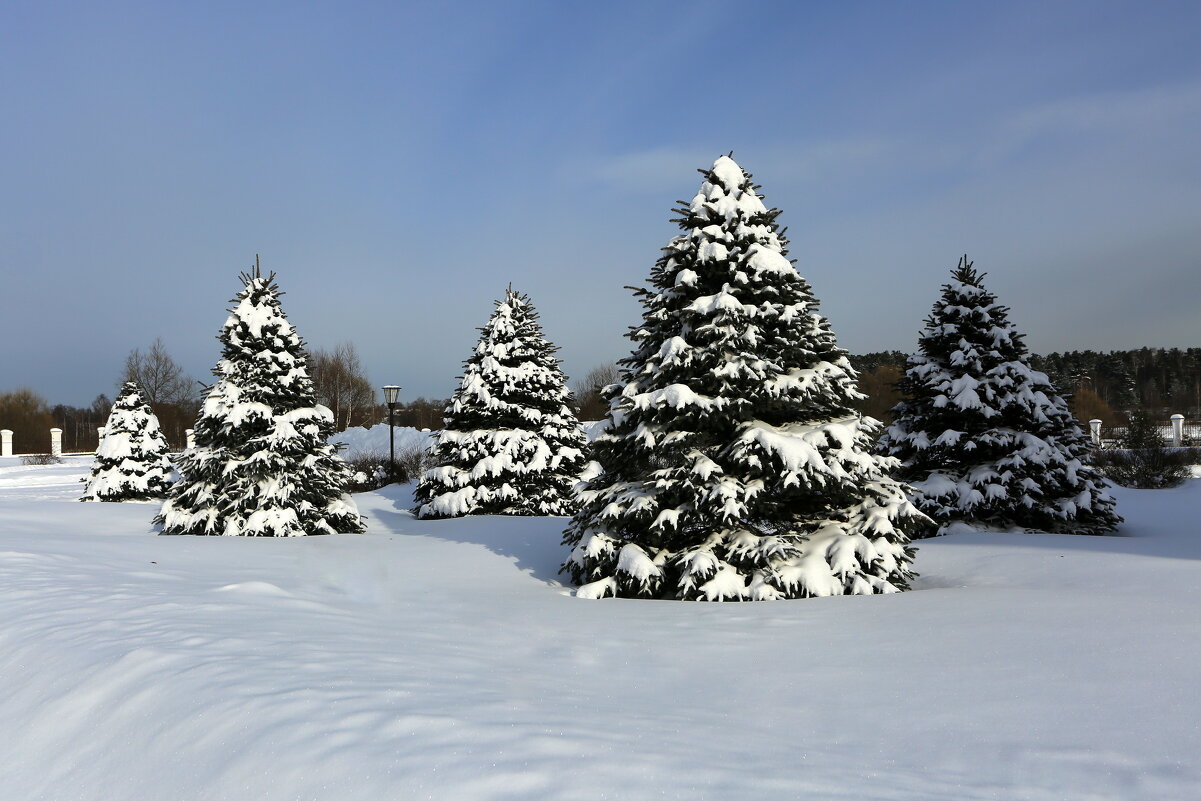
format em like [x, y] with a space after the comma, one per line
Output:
[445, 660]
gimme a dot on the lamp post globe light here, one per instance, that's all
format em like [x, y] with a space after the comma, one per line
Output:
[391, 393]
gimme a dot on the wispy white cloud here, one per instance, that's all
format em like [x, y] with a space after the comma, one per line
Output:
[1071, 205]
[1151, 114]
[664, 168]
[656, 170]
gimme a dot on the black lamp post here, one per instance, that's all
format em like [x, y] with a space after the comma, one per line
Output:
[391, 393]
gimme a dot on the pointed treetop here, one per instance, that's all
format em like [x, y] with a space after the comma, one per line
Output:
[727, 196]
[965, 273]
[253, 278]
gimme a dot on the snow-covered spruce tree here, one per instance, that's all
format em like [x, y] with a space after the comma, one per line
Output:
[511, 444]
[982, 437]
[131, 461]
[261, 466]
[733, 466]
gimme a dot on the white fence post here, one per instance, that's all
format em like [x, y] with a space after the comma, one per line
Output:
[1094, 430]
[6, 443]
[1178, 430]
[191, 435]
[56, 442]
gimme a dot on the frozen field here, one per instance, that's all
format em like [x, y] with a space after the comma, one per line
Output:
[446, 660]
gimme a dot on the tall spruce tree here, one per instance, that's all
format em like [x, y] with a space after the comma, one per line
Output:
[261, 466]
[982, 437]
[131, 461]
[733, 466]
[511, 444]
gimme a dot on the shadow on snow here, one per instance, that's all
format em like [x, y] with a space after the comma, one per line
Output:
[533, 543]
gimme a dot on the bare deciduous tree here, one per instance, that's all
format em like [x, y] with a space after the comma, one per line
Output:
[169, 391]
[588, 391]
[100, 407]
[25, 413]
[341, 384]
[160, 377]
[1087, 405]
[79, 423]
[420, 413]
[879, 385]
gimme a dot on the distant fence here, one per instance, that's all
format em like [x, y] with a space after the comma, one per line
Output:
[56, 442]
[1177, 432]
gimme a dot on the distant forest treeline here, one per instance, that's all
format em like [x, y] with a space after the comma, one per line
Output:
[1161, 381]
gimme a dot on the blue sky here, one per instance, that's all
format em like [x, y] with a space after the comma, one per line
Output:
[399, 164]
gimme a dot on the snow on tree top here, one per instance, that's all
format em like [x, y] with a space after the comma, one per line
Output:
[727, 198]
[258, 315]
[728, 172]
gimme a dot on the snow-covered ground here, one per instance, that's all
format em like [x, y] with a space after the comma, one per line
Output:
[446, 660]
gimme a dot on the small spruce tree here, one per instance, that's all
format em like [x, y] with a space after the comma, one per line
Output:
[261, 466]
[511, 444]
[733, 466]
[982, 437]
[1143, 459]
[131, 461]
